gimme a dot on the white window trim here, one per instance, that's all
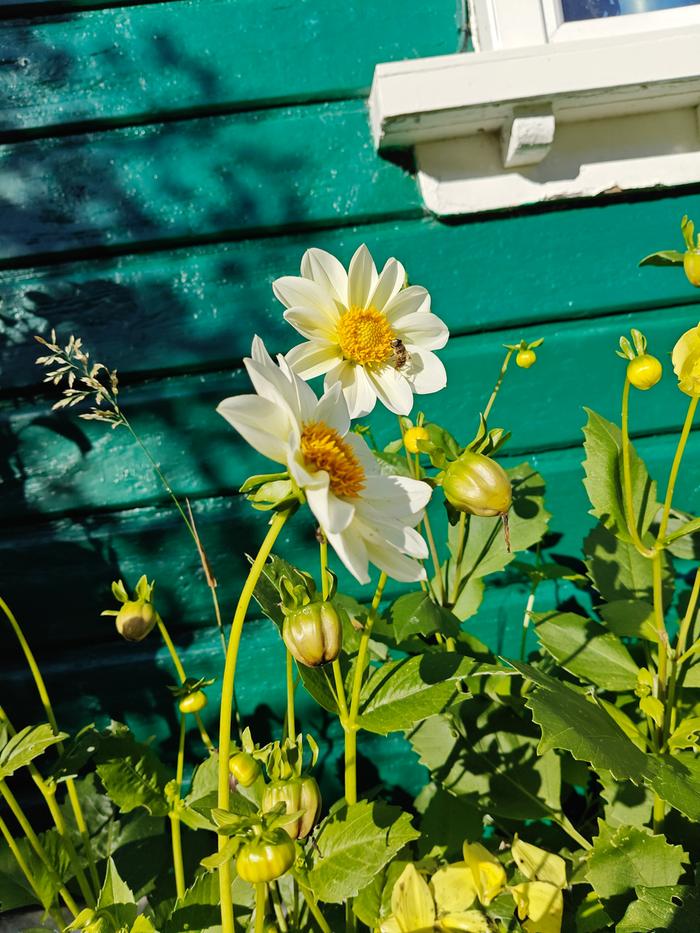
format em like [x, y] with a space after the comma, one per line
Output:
[544, 111]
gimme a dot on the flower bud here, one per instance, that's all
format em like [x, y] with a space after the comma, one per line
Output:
[476, 484]
[686, 361]
[644, 371]
[412, 436]
[691, 265]
[299, 795]
[525, 358]
[244, 768]
[193, 702]
[313, 633]
[136, 619]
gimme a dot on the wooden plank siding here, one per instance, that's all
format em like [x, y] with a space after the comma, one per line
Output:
[161, 164]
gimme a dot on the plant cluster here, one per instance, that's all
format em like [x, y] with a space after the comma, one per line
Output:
[563, 783]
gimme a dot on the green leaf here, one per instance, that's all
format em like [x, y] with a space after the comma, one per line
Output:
[626, 803]
[631, 618]
[392, 464]
[198, 909]
[619, 571]
[603, 480]
[688, 528]
[673, 907]
[586, 650]
[485, 550]
[317, 681]
[416, 614]
[629, 856]
[132, 773]
[353, 845]
[399, 694]
[266, 592]
[29, 743]
[677, 780]
[665, 257]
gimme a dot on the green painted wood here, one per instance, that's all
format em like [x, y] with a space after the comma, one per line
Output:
[197, 308]
[57, 463]
[213, 176]
[132, 63]
[57, 574]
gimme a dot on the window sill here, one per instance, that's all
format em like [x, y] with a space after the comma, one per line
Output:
[569, 119]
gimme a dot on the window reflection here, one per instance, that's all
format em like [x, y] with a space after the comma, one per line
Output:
[595, 9]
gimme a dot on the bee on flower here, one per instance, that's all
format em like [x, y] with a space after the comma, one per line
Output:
[364, 329]
[367, 517]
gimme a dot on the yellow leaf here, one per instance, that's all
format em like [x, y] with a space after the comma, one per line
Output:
[453, 887]
[540, 906]
[654, 708]
[538, 865]
[488, 874]
[411, 902]
[466, 921]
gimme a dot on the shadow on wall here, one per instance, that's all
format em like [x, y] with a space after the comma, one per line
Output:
[66, 199]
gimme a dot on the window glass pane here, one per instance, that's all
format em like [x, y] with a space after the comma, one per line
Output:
[595, 9]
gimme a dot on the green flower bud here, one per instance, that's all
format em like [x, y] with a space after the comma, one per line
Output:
[299, 795]
[136, 619]
[476, 484]
[244, 768]
[313, 633]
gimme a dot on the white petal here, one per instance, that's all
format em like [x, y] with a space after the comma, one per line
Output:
[361, 450]
[258, 352]
[357, 388]
[391, 280]
[394, 564]
[409, 300]
[422, 330]
[305, 397]
[312, 359]
[332, 409]
[333, 514]
[392, 388]
[295, 292]
[362, 278]
[392, 533]
[327, 271]
[264, 425]
[312, 325]
[426, 372]
[351, 550]
[398, 497]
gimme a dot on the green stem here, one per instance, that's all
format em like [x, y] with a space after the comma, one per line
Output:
[627, 477]
[175, 827]
[291, 725]
[48, 710]
[678, 654]
[182, 676]
[526, 620]
[315, 910]
[499, 382]
[27, 872]
[435, 559]
[277, 907]
[227, 694]
[260, 899]
[676, 465]
[35, 843]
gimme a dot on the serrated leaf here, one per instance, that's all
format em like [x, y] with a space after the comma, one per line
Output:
[353, 845]
[632, 618]
[317, 681]
[132, 774]
[673, 907]
[603, 479]
[400, 694]
[630, 856]
[416, 614]
[199, 908]
[26, 745]
[486, 551]
[619, 571]
[116, 905]
[585, 649]
[676, 779]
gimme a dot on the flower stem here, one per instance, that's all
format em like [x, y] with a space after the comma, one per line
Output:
[227, 694]
[526, 620]
[260, 898]
[277, 907]
[21, 862]
[335, 666]
[675, 467]
[315, 910]
[291, 725]
[497, 386]
[70, 783]
[627, 477]
[180, 670]
[35, 843]
[175, 828]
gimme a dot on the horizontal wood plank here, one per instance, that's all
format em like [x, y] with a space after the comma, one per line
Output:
[57, 574]
[196, 308]
[212, 176]
[135, 62]
[55, 462]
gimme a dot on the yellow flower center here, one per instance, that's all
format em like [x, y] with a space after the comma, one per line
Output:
[326, 450]
[365, 336]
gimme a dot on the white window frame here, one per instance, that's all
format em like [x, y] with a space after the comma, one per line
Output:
[546, 109]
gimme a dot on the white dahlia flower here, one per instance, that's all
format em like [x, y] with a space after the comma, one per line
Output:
[364, 329]
[366, 516]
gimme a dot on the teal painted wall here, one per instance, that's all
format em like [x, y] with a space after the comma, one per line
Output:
[159, 166]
